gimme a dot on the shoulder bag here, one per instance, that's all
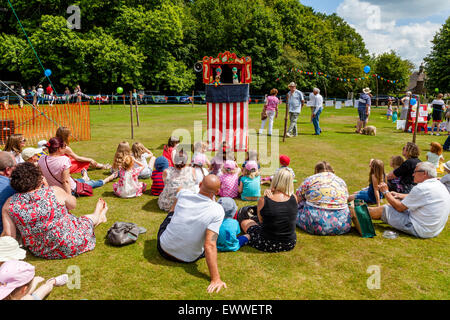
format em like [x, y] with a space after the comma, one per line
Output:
[81, 189]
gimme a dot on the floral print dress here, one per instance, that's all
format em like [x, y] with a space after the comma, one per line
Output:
[128, 185]
[323, 208]
[47, 228]
[175, 179]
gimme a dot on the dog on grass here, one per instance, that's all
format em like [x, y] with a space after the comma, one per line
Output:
[369, 130]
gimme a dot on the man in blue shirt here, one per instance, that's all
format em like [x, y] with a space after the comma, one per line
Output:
[363, 109]
[295, 102]
[7, 164]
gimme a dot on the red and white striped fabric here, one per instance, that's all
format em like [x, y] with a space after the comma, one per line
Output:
[228, 122]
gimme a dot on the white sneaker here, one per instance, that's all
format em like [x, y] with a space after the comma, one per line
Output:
[288, 135]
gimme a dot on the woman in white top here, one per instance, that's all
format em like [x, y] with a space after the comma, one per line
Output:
[15, 144]
[405, 101]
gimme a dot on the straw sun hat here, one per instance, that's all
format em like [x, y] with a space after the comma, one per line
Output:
[10, 249]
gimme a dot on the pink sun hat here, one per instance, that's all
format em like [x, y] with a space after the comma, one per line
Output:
[250, 165]
[14, 274]
[229, 164]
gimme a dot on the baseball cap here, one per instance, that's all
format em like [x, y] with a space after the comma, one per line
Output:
[27, 153]
[10, 249]
[447, 165]
[250, 165]
[229, 206]
[14, 274]
[229, 164]
[284, 160]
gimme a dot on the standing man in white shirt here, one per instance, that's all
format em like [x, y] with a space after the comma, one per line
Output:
[423, 212]
[295, 102]
[316, 110]
[191, 229]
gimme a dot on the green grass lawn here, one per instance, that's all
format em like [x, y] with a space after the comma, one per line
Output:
[318, 267]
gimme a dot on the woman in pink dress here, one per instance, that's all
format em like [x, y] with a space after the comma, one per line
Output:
[41, 214]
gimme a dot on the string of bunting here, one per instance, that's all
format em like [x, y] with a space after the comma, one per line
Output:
[344, 79]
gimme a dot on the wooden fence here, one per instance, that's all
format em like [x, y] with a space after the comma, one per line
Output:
[41, 123]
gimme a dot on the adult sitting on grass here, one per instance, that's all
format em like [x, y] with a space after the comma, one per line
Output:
[179, 176]
[7, 165]
[405, 172]
[78, 163]
[41, 214]
[56, 168]
[191, 229]
[323, 208]
[276, 211]
[423, 212]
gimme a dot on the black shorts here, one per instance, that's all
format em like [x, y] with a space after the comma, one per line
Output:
[257, 241]
[162, 228]
[437, 115]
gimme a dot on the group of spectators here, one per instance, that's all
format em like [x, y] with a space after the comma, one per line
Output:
[36, 197]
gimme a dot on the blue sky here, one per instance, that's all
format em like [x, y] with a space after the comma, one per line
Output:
[405, 26]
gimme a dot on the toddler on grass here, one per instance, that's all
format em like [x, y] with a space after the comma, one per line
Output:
[228, 239]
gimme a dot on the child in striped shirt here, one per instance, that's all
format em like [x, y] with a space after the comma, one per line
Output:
[161, 164]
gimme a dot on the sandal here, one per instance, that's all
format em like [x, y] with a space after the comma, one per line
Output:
[60, 280]
[83, 173]
[106, 166]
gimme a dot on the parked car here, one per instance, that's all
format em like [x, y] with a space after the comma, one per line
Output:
[383, 99]
[185, 99]
[5, 92]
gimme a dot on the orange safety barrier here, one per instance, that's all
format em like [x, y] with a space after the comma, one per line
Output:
[42, 123]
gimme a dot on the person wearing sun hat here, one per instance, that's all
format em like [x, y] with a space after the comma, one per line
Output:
[295, 101]
[250, 183]
[180, 175]
[446, 179]
[18, 282]
[228, 239]
[31, 155]
[364, 104]
[42, 145]
[10, 250]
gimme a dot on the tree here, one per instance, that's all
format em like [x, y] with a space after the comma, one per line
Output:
[391, 66]
[438, 61]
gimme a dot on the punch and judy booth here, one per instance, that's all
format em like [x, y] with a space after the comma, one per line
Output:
[227, 79]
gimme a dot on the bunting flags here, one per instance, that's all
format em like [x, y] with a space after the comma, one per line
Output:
[351, 79]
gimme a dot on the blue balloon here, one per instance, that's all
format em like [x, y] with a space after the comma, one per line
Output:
[48, 72]
[413, 101]
[366, 69]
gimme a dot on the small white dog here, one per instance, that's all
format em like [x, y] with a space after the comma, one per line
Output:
[369, 130]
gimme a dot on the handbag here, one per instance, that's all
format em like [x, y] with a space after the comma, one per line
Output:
[81, 189]
[123, 233]
[264, 114]
[363, 221]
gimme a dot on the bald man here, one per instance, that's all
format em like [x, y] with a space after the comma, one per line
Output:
[7, 164]
[191, 228]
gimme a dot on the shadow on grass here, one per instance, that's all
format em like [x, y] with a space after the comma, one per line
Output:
[153, 256]
[152, 206]
[108, 194]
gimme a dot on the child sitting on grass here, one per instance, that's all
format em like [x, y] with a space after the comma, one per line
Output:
[197, 163]
[371, 194]
[228, 239]
[435, 156]
[123, 150]
[170, 149]
[284, 163]
[161, 164]
[128, 185]
[394, 163]
[18, 282]
[199, 152]
[229, 180]
[141, 154]
[250, 183]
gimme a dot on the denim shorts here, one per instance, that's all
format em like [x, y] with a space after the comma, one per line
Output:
[362, 114]
[365, 195]
[399, 220]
